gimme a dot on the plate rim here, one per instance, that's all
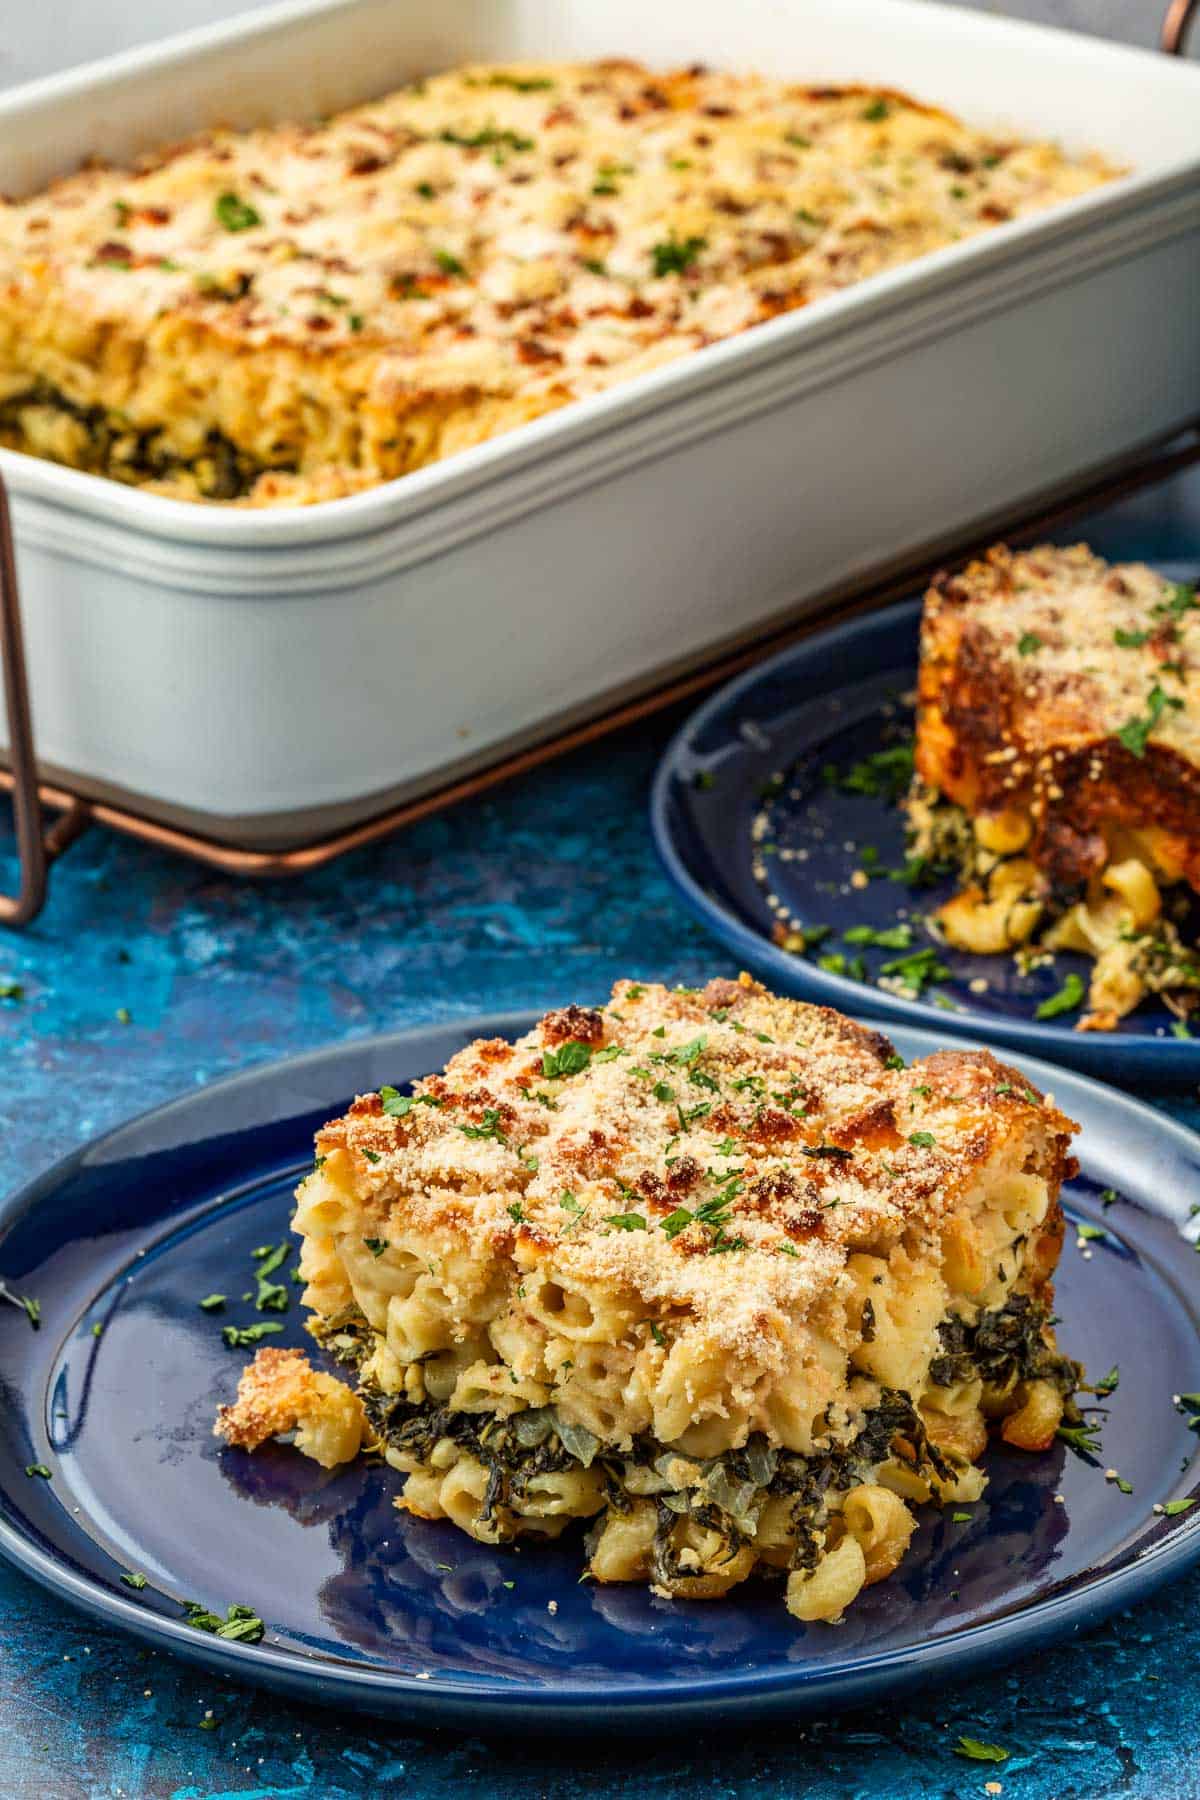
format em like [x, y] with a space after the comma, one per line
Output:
[1139, 1054]
[491, 1701]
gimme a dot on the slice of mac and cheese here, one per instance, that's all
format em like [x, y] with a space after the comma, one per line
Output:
[1058, 765]
[711, 1271]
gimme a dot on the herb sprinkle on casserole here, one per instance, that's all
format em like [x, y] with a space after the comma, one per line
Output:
[293, 313]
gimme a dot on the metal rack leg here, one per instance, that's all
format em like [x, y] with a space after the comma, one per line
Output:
[36, 849]
[1175, 26]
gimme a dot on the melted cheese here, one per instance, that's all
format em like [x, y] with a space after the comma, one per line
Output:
[288, 314]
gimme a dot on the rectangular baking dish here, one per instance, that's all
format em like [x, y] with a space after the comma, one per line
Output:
[265, 677]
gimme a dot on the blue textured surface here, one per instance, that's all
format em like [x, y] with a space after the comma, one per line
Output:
[548, 890]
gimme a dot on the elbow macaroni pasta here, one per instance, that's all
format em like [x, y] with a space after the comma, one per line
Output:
[519, 1379]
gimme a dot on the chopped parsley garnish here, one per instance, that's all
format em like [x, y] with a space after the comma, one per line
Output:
[974, 1751]
[12, 990]
[961, 1518]
[1065, 1000]
[677, 1221]
[924, 1140]
[134, 1581]
[675, 256]
[241, 1624]
[1125, 1487]
[1108, 1384]
[1028, 642]
[488, 139]
[1180, 600]
[895, 1061]
[1091, 1234]
[626, 1221]
[1179, 1028]
[895, 937]
[686, 1054]
[1083, 1439]
[656, 1334]
[877, 110]
[1135, 733]
[571, 1058]
[516, 1213]
[826, 1152]
[39, 1470]
[211, 1303]
[270, 1296]
[569, 1202]
[1109, 1197]
[634, 993]
[886, 772]
[1130, 640]
[235, 214]
[269, 1257]
[29, 1306]
[489, 1128]
[244, 1337]
[396, 1104]
[521, 84]
[448, 263]
[1173, 1507]
[372, 1156]
[918, 970]
[376, 1246]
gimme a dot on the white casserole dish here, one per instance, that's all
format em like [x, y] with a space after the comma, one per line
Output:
[264, 676]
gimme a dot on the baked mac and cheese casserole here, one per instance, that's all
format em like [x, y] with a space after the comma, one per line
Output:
[293, 313]
[1058, 765]
[710, 1271]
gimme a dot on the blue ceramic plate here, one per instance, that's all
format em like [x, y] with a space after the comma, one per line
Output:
[755, 815]
[367, 1609]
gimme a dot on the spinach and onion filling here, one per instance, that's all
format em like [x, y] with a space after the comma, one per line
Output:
[108, 443]
[1003, 1347]
[724, 1494]
[347, 1337]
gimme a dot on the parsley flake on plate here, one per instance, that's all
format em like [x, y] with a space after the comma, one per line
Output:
[1068, 997]
[975, 1751]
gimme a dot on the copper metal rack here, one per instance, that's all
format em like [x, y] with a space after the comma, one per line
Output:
[40, 844]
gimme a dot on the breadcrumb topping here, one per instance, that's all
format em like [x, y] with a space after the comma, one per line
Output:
[460, 256]
[720, 1151]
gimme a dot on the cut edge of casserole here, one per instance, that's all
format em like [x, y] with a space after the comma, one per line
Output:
[282, 316]
[1058, 768]
[710, 1271]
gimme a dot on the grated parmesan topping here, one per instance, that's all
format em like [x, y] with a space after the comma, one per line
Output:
[1088, 651]
[750, 1142]
[540, 231]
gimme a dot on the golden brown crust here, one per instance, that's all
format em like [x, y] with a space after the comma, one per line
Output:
[280, 1392]
[820, 1142]
[297, 312]
[1058, 688]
